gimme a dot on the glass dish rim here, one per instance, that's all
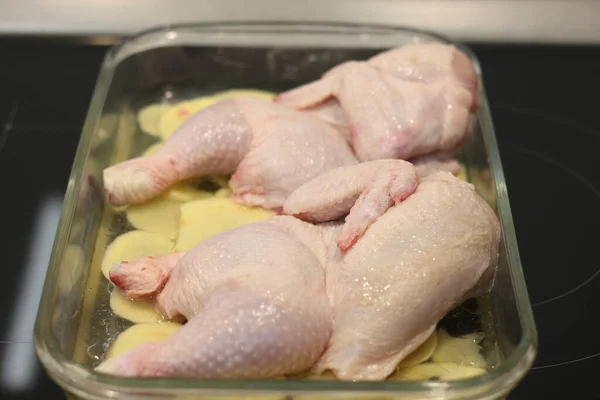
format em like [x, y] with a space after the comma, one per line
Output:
[73, 376]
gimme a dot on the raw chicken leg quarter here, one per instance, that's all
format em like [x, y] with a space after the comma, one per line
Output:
[270, 150]
[254, 298]
[413, 263]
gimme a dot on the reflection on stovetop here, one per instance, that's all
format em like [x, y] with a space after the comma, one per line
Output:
[555, 204]
[544, 109]
[45, 93]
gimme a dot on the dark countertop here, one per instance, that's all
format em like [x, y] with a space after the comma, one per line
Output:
[544, 105]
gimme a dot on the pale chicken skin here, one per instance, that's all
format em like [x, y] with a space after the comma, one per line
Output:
[400, 104]
[254, 298]
[270, 150]
[432, 163]
[416, 262]
[283, 295]
[367, 190]
[428, 63]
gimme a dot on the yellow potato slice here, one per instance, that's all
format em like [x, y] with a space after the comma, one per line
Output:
[244, 92]
[152, 149]
[483, 183]
[221, 181]
[184, 193]
[149, 118]
[422, 353]
[137, 311]
[158, 215]
[133, 245]
[223, 193]
[463, 350]
[462, 173]
[442, 371]
[140, 334]
[204, 218]
[179, 113]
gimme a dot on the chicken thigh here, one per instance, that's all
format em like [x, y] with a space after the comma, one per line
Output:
[419, 259]
[254, 298]
[355, 297]
[269, 149]
[400, 104]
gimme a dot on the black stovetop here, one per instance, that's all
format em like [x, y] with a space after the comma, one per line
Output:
[546, 112]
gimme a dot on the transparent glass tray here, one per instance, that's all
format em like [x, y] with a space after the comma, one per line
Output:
[172, 63]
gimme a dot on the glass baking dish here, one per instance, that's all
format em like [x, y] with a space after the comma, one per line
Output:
[173, 63]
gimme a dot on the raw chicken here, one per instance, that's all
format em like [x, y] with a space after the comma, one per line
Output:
[406, 102]
[368, 190]
[431, 62]
[259, 302]
[269, 149]
[412, 265]
[332, 112]
[254, 298]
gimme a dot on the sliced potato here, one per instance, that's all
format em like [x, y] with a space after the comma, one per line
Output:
[204, 218]
[442, 371]
[158, 215]
[184, 193]
[483, 183]
[457, 372]
[463, 350]
[140, 334]
[199, 103]
[244, 92]
[149, 118]
[133, 245]
[179, 113]
[223, 193]
[422, 353]
[152, 149]
[462, 173]
[221, 181]
[137, 311]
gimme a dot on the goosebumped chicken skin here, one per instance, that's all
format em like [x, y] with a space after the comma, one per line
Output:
[429, 63]
[415, 263]
[255, 302]
[381, 298]
[400, 104]
[270, 150]
[365, 190]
